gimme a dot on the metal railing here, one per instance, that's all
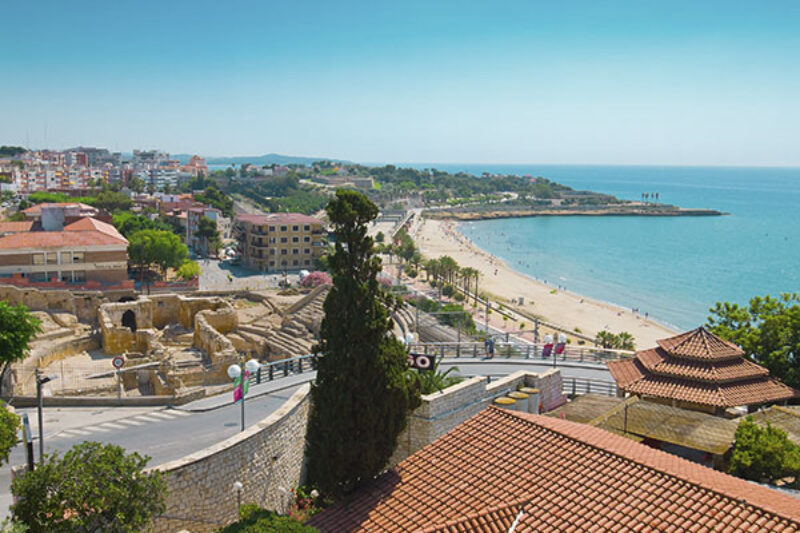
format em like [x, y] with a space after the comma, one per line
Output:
[520, 350]
[284, 368]
[578, 386]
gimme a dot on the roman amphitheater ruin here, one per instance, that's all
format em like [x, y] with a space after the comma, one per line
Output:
[173, 346]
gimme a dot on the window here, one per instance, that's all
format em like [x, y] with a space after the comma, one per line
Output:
[78, 257]
[272, 240]
[284, 228]
[306, 228]
[295, 228]
[284, 251]
[38, 277]
[306, 239]
[284, 262]
[307, 251]
[80, 276]
[38, 259]
[52, 258]
[272, 263]
[295, 239]
[295, 251]
[295, 263]
[272, 228]
[284, 239]
[306, 262]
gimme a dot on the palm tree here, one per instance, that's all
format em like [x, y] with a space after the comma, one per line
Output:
[606, 339]
[625, 341]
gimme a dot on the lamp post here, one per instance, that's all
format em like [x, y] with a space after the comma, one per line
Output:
[235, 373]
[41, 380]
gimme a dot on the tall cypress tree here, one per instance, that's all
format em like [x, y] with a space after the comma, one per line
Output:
[362, 396]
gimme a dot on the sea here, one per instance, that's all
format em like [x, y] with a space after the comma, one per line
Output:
[673, 268]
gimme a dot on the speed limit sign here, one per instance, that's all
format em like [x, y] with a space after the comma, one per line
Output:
[118, 362]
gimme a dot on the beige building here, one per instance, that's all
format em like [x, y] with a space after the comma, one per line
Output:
[280, 241]
[86, 252]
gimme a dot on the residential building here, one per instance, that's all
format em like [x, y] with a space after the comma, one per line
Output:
[86, 252]
[699, 370]
[60, 213]
[512, 471]
[280, 241]
[196, 166]
[193, 217]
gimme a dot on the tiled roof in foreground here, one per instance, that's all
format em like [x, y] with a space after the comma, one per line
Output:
[549, 474]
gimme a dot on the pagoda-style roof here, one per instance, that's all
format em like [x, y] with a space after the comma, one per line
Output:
[699, 367]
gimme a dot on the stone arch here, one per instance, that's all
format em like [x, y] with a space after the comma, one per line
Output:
[129, 320]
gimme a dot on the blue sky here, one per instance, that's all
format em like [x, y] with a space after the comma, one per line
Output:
[640, 82]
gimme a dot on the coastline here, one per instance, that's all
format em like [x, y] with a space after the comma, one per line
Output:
[436, 238]
[625, 211]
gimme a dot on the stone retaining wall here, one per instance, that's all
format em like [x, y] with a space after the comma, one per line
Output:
[267, 459]
[442, 411]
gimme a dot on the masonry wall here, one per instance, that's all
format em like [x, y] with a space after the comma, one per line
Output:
[266, 458]
[83, 305]
[442, 411]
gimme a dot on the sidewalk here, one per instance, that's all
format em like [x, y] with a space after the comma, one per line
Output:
[267, 387]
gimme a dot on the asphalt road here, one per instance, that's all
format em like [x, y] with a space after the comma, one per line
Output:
[162, 434]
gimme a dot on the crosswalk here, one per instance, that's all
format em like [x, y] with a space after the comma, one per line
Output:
[154, 417]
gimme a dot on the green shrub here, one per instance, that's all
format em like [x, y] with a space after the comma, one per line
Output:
[448, 290]
[254, 519]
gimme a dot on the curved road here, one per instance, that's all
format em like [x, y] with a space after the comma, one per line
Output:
[167, 434]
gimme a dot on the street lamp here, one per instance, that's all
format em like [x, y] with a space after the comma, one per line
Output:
[41, 380]
[243, 381]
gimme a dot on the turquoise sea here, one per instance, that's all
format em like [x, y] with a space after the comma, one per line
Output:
[674, 268]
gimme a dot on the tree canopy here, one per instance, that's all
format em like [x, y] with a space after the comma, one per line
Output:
[157, 247]
[9, 429]
[362, 394]
[213, 197]
[129, 223]
[93, 487]
[764, 453]
[17, 327]
[768, 330]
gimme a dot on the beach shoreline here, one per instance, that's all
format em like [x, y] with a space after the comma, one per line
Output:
[552, 303]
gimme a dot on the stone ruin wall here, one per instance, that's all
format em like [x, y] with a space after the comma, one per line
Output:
[81, 304]
[210, 328]
[267, 458]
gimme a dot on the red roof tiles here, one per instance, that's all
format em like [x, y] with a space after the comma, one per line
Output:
[549, 474]
[698, 367]
[84, 232]
[15, 227]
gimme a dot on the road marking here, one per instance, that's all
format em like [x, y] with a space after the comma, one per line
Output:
[97, 428]
[162, 415]
[179, 413]
[131, 422]
[71, 432]
[147, 418]
[112, 425]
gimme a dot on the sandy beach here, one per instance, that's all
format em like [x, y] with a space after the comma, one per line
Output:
[436, 238]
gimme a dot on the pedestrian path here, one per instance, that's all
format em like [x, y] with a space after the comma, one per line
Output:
[154, 417]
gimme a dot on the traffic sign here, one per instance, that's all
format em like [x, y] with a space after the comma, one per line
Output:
[420, 361]
[118, 362]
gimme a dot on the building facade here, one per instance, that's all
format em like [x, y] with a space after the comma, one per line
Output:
[280, 241]
[85, 252]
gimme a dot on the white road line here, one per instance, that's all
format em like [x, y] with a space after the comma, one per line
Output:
[74, 432]
[147, 418]
[99, 429]
[162, 415]
[112, 425]
[130, 422]
[179, 413]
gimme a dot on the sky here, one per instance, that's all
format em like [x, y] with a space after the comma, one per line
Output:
[572, 82]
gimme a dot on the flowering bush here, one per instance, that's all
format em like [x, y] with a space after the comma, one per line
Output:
[315, 279]
[304, 504]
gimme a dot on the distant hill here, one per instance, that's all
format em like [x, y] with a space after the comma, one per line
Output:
[266, 159]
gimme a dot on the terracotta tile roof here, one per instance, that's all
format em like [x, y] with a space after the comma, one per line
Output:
[15, 227]
[657, 361]
[633, 377]
[563, 476]
[700, 344]
[84, 232]
[37, 209]
[699, 367]
[279, 218]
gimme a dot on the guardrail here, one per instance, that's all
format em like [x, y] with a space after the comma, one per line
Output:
[580, 354]
[283, 368]
[577, 386]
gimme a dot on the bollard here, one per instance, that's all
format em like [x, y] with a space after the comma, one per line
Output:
[523, 400]
[505, 403]
[533, 399]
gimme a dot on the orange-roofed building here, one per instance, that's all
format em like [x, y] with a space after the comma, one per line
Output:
[501, 471]
[699, 370]
[87, 252]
